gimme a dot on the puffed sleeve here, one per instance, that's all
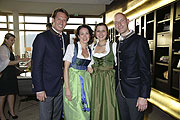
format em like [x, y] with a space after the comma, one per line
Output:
[69, 53]
[114, 45]
[4, 57]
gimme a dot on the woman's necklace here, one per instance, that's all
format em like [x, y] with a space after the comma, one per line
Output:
[101, 45]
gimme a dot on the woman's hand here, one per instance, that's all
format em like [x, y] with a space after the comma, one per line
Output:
[24, 59]
[90, 70]
[68, 94]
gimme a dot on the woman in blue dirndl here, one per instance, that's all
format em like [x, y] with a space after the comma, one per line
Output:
[77, 81]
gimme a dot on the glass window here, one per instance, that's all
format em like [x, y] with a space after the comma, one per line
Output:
[21, 18]
[10, 18]
[21, 26]
[12, 32]
[50, 20]
[21, 37]
[11, 26]
[3, 25]
[3, 19]
[92, 27]
[30, 36]
[35, 26]
[75, 20]
[2, 34]
[71, 27]
[93, 20]
[36, 19]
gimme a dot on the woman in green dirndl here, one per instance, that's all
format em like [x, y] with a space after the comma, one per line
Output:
[77, 80]
[104, 104]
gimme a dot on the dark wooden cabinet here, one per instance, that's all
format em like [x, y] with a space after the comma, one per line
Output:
[162, 29]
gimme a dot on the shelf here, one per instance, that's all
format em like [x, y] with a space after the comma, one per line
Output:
[176, 53]
[166, 32]
[176, 70]
[163, 64]
[162, 80]
[177, 19]
[152, 21]
[163, 46]
[176, 40]
[175, 88]
[162, 21]
[161, 29]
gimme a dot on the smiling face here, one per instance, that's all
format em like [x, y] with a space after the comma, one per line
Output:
[121, 24]
[59, 22]
[101, 33]
[10, 41]
[84, 35]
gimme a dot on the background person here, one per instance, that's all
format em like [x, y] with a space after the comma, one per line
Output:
[48, 26]
[8, 79]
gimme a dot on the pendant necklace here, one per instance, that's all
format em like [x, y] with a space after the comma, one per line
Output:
[101, 45]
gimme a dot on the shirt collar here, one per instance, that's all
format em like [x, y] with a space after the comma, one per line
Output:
[131, 32]
[56, 31]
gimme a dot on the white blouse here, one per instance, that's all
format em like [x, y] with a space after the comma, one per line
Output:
[107, 50]
[4, 57]
[70, 53]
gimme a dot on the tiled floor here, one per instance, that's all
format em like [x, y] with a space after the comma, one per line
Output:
[29, 110]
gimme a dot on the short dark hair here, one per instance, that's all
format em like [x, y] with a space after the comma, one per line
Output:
[59, 10]
[90, 32]
[102, 24]
[49, 25]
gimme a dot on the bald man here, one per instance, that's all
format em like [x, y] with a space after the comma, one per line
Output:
[133, 71]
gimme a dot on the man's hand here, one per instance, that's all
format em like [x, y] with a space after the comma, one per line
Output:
[141, 104]
[41, 96]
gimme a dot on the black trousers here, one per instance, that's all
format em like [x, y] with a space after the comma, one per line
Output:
[127, 107]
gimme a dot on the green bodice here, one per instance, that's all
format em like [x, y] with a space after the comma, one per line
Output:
[106, 61]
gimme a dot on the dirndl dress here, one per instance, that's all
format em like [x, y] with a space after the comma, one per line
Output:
[80, 85]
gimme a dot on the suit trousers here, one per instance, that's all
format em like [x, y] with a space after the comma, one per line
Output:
[127, 107]
[51, 108]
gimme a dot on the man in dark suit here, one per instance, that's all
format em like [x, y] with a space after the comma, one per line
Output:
[133, 71]
[47, 66]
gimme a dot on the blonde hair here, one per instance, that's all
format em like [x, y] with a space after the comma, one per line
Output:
[6, 37]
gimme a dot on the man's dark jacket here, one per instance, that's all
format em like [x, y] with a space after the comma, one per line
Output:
[47, 62]
[133, 57]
